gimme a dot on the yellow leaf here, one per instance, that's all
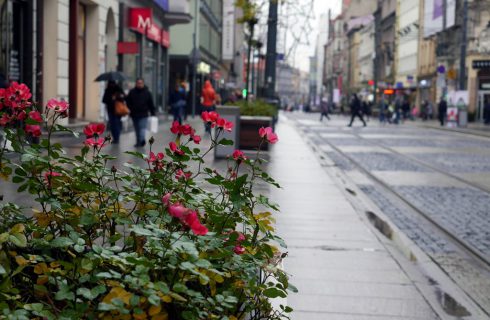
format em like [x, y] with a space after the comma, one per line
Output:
[54, 264]
[154, 310]
[41, 268]
[42, 280]
[21, 261]
[18, 228]
[167, 298]
[118, 293]
[140, 316]
[43, 219]
[161, 316]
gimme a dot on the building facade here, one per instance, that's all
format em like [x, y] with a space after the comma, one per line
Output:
[82, 48]
[206, 31]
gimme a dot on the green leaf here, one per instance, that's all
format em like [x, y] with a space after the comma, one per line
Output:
[141, 231]
[100, 289]
[20, 172]
[274, 293]
[179, 287]
[225, 142]
[292, 288]
[18, 239]
[62, 242]
[34, 307]
[86, 293]
[17, 179]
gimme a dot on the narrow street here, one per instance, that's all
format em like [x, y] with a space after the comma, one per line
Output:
[433, 185]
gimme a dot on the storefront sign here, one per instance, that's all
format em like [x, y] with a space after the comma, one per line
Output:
[127, 48]
[481, 64]
[140, 19]
[203, 67]
[162, 4]
[154, 33]
[228, 29]
[165, 38]
[216, 75]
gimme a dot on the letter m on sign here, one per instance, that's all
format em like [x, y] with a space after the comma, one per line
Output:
[140, 19]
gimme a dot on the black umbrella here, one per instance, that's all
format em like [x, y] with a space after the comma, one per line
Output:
[111, 76]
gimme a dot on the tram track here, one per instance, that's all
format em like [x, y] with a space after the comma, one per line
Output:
[481, 258]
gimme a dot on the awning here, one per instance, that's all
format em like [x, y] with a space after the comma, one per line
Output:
[173, 18]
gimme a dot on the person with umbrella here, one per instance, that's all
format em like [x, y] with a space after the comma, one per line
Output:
[140, 103]
[112, 94]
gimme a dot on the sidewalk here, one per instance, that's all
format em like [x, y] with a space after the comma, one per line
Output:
[341, 268]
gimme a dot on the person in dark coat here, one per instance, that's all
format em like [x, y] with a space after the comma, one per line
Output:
[140, 103]
[355, 109]
[442, 108]
[178, 101]
[324, 105]
[486, 109]
[113, 93]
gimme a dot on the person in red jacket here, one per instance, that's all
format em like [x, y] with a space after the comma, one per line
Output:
[208, 100]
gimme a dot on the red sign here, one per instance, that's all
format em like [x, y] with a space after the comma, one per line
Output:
[140, 19]
[165, 38]
[371, 83]
[127, 48]
[154, 33]
[389, 92]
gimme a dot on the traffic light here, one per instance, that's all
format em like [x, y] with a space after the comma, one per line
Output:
[244, 93]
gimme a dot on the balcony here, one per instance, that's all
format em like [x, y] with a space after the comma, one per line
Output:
[178, 12]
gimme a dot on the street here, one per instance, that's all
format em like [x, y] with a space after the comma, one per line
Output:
[432, 184]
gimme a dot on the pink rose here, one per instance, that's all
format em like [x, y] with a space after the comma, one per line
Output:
[58, 106]
[166, 198]
[93, 129]
[238, 249]
[177, 210]
[238, 155]
[95, 142]
[196, 139]
[33, 130]
[264, 131]
[36, 116]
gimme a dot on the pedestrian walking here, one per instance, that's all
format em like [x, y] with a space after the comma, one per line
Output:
[112, 94]
[486, 110]
[208, 101]
[366, 108]
[140, 103]
[355, 109]
[442, 108]
[324, 105]
[383, 110]
[178, 101]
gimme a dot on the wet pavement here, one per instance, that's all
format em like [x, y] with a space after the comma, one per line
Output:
[338, 263]
[440, 173]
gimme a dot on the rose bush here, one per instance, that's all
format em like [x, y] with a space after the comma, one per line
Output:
[163, 237]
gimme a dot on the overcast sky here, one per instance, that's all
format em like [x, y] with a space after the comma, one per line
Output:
[305, 51]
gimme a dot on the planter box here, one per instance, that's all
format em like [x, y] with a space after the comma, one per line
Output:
[249, 131]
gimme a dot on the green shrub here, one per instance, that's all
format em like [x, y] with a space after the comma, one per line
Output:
[255, 108]
[143, 241]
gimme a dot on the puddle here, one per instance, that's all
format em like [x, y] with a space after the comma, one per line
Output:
[379, 224]
[450, 305]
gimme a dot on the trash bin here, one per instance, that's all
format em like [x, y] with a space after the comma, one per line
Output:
[462, 118]
[230, 113]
